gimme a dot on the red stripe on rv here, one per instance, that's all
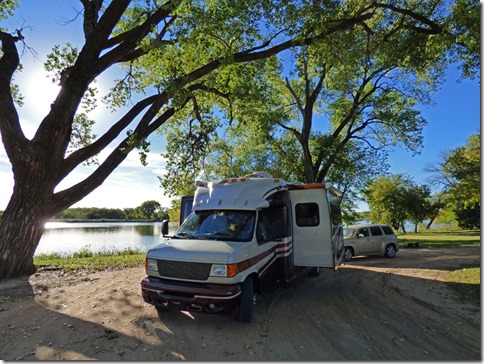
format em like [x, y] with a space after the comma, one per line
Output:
[246, 264]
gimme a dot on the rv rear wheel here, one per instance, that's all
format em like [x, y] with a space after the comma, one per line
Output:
[246, 306]
[160, 311]
[314, 272]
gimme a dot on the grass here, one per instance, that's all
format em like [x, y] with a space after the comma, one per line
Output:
[85, 259]
[442, 239]
[467, 283]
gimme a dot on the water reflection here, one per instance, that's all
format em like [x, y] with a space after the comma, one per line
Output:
[66, 238]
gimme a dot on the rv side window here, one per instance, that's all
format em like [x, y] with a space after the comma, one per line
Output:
[186, 207]
[272, 224]
[335, 209]
[307, 214]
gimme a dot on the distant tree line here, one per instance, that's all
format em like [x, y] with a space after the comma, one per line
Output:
[147, 211]
[395, 199]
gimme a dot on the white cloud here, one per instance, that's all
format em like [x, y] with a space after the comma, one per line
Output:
[128, 186]
[115, 194]
[6, 188]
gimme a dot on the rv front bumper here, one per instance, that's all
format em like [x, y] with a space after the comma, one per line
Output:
[187, 296]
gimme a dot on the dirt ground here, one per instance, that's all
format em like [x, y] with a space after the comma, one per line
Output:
[372, 308]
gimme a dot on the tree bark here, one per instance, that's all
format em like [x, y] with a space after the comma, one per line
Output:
[21, 228]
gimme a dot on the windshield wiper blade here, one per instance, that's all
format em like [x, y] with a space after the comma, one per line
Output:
[184, 236]
[216, 235]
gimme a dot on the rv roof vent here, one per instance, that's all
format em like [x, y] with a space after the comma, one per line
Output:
[258, 175]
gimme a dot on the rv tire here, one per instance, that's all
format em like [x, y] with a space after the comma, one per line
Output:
[246, 306]
[160, 311]
[314, 272]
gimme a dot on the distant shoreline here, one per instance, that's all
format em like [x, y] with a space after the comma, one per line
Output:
[100, 220]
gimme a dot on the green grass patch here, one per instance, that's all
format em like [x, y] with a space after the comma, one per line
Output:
[466, 281]
[442, 239]
[94, 261]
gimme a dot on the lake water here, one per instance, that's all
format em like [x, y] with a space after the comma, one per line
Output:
[67, 238]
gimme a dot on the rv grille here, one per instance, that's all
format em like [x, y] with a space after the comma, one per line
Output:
[184, 270]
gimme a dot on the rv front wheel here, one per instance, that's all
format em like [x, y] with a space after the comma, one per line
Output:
[246, 306]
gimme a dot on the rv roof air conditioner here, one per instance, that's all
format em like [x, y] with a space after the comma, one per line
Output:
[258, 175]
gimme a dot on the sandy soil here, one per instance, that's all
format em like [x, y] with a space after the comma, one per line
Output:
[372, 308]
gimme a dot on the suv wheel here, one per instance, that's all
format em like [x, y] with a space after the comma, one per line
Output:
[348, 254]
[390, 251]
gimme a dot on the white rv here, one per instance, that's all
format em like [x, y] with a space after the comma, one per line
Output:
[242, 236]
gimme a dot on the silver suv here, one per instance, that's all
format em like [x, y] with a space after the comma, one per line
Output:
[369, 239]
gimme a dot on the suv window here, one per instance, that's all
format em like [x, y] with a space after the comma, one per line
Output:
[388, 230]
[375, 231]
[364, 232]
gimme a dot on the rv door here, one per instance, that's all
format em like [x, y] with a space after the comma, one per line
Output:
[317, 242]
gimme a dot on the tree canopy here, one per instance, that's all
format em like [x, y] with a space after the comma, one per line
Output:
[305, 113]
[396, 198]
[459, 177]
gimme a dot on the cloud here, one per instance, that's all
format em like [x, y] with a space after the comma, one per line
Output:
[6, 188]
[128, 186]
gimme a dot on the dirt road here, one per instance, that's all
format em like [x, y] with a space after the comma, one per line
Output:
[372, 309]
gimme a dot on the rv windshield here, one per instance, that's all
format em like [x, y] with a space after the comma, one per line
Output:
[218, 225]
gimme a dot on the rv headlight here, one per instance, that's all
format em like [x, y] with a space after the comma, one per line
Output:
[219, 270]
[224, 270]
[151, 264]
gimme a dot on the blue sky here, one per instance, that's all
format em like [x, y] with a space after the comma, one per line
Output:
[454, 116]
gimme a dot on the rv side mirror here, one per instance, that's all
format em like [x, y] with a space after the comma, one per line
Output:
[164, 227]
[262, 205]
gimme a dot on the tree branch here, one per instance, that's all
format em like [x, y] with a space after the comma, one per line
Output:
[295, 96]
[127, 42]
[75, 193]
[434, 28]
[79, 156]
[13, 138]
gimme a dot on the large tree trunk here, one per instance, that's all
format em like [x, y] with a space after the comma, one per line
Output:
[21, 228]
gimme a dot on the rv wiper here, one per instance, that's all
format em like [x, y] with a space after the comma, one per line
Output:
[184, 236]
[216, 235]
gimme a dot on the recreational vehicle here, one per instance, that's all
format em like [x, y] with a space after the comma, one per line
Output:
[241, 237]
